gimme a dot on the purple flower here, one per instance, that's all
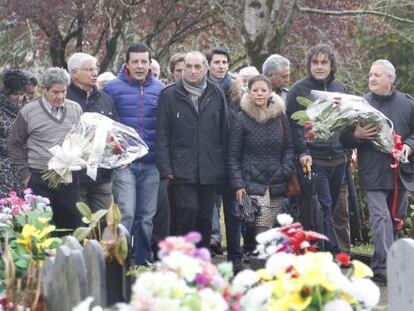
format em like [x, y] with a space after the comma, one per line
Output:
[201, 280]
[193, 237]
[27, 191]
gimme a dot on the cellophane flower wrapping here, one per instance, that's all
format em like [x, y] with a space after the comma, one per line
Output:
[95, 141]
[332, 113]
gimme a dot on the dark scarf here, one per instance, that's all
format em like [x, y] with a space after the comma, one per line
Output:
[224, 84]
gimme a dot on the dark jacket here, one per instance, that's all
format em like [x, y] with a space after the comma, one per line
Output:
[191, 146]
[318, 150]
[98, 101]
[374, 167]
[136, 104]
[10, 180]
[261, 149]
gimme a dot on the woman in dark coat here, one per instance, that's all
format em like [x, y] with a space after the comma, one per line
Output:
[261, 151]
[11, 98]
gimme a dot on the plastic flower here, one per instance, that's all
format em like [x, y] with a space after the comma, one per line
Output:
[284, 219]
[343, 259]
[361, 270]
[337, 304]
[245, 279]
[212, 301]
[366, 292]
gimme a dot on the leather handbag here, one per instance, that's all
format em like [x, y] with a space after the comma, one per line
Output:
[293, 185]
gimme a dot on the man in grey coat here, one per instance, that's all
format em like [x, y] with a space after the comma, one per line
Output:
[375, 171]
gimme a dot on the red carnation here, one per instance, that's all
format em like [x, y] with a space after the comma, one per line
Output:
[343, 259]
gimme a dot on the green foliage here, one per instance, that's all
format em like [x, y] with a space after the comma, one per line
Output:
[409, 222]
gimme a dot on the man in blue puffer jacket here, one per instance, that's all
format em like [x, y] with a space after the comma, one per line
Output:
[135, 93]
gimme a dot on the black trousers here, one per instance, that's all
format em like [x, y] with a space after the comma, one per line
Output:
[193, 211]
[96, 195]
[161, 220]
[62, 201]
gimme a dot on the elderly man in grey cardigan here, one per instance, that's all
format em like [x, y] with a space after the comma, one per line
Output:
[40, 125]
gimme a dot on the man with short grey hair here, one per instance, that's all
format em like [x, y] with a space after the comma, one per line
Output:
[190, 142]
[376, 175]
[39, 126]
[83, 70]
[277, 69]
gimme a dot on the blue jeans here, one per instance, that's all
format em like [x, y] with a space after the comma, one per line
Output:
[215, 221]
[136, 191]
[329, 180]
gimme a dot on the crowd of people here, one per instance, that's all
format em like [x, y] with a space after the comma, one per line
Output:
[213, 137]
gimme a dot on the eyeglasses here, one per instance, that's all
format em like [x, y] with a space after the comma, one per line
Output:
[89, 69]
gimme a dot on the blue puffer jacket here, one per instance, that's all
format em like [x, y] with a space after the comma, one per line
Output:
[136, 104]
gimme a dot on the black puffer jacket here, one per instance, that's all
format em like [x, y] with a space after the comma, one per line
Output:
[318, 150]
[375, 172]
[97, 101]
[260, 156]
[191, 146]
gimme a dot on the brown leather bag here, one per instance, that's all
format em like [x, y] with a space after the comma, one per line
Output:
[293, 185]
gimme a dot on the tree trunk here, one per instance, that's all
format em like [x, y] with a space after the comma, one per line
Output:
[260, 36]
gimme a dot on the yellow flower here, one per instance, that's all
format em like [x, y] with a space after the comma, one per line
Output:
[43, 220]
[46, 231]
[290, 302]
[29, 232]
[264, 275]
[26, 238]
[361, 270]
[45, 244]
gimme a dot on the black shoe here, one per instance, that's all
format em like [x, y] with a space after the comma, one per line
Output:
[380, 278]
[216, 248]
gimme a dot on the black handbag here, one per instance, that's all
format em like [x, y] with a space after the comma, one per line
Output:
[248, 209]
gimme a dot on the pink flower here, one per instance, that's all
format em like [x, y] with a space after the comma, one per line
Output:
[15, 211]
[193, 237]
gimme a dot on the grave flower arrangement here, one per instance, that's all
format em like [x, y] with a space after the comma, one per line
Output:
[95, 141]
[183, 279]
[288, 238]
[332, 113]
[26, 242]
[312, 281]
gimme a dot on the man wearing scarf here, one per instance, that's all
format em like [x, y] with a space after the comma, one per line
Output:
[192, 126]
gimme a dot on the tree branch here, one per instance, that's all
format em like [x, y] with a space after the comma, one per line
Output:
[355, 12]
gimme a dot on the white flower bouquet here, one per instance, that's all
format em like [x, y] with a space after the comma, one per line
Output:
[331, 113]
[95, 141]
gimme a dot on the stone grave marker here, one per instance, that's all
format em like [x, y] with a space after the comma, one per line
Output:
[95, 272]
[400, 275]
[64, 280]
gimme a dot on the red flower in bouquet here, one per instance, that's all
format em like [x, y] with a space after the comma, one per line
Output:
[343, 259]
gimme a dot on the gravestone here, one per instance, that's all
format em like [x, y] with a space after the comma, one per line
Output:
[400, 274]
[64, 280]
[95, 272]
[74, 274]
[72, 243]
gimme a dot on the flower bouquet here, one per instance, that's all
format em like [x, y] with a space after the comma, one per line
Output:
[331, 113]
[25, 244]
[95, 141]
[183, 279]
[289, 238]
[313, 282]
